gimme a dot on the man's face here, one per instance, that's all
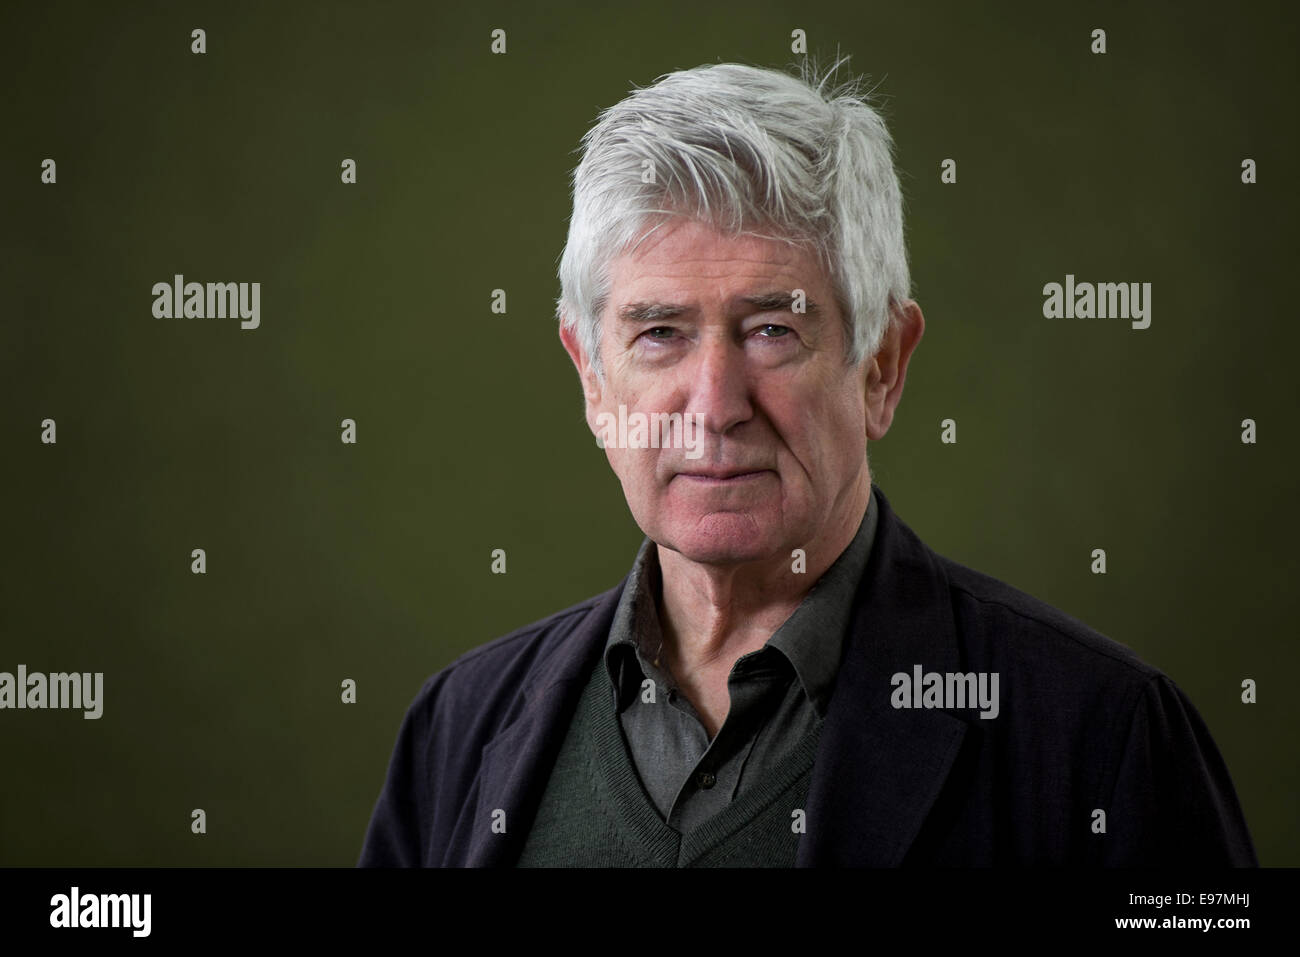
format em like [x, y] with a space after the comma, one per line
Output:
[782, 452]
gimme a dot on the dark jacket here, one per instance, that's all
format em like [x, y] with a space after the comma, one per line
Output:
[1083, 725]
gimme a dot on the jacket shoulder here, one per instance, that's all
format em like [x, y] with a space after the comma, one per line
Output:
[435, 761]
[1009, 623]
[1138, 747]
[480, 690]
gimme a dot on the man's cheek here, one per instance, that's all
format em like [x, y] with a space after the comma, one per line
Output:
[625, 464]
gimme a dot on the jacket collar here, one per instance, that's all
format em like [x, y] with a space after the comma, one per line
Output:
[878, 769]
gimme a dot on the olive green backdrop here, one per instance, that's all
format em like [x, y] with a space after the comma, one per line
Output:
[371, 561]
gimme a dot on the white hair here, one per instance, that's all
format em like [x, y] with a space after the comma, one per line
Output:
[742, 148]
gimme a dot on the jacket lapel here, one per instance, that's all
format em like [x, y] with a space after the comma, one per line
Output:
[515, 765]
[879, 769]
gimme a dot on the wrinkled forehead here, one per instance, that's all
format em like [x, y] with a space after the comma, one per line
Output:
[688, 257]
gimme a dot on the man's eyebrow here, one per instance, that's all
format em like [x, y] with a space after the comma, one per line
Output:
[649, 311]
[776, 301]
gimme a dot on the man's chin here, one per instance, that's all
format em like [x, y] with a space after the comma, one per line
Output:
[722, 538]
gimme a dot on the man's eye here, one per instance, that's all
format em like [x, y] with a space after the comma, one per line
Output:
[780, 331]
[652, 333]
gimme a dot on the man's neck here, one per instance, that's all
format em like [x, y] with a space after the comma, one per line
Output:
[711, 615]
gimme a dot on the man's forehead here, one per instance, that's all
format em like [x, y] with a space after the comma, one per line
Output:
[669, 272]
[694, 244]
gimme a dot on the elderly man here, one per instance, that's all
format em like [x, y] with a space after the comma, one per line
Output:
[788, 675]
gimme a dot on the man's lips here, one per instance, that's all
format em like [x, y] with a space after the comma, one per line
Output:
[723, 476]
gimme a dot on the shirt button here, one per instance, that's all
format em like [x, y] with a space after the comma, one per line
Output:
[706, 779]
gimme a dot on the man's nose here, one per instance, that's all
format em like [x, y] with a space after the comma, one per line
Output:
[720, 386]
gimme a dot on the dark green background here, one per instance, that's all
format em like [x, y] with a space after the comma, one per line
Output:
[371, 561]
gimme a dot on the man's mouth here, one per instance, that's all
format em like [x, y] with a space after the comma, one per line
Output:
[723, 476]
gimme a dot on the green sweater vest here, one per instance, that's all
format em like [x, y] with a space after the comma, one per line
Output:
[595, 813]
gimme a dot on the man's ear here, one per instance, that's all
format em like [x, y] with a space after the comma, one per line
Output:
[591, 386]
[887, 369]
